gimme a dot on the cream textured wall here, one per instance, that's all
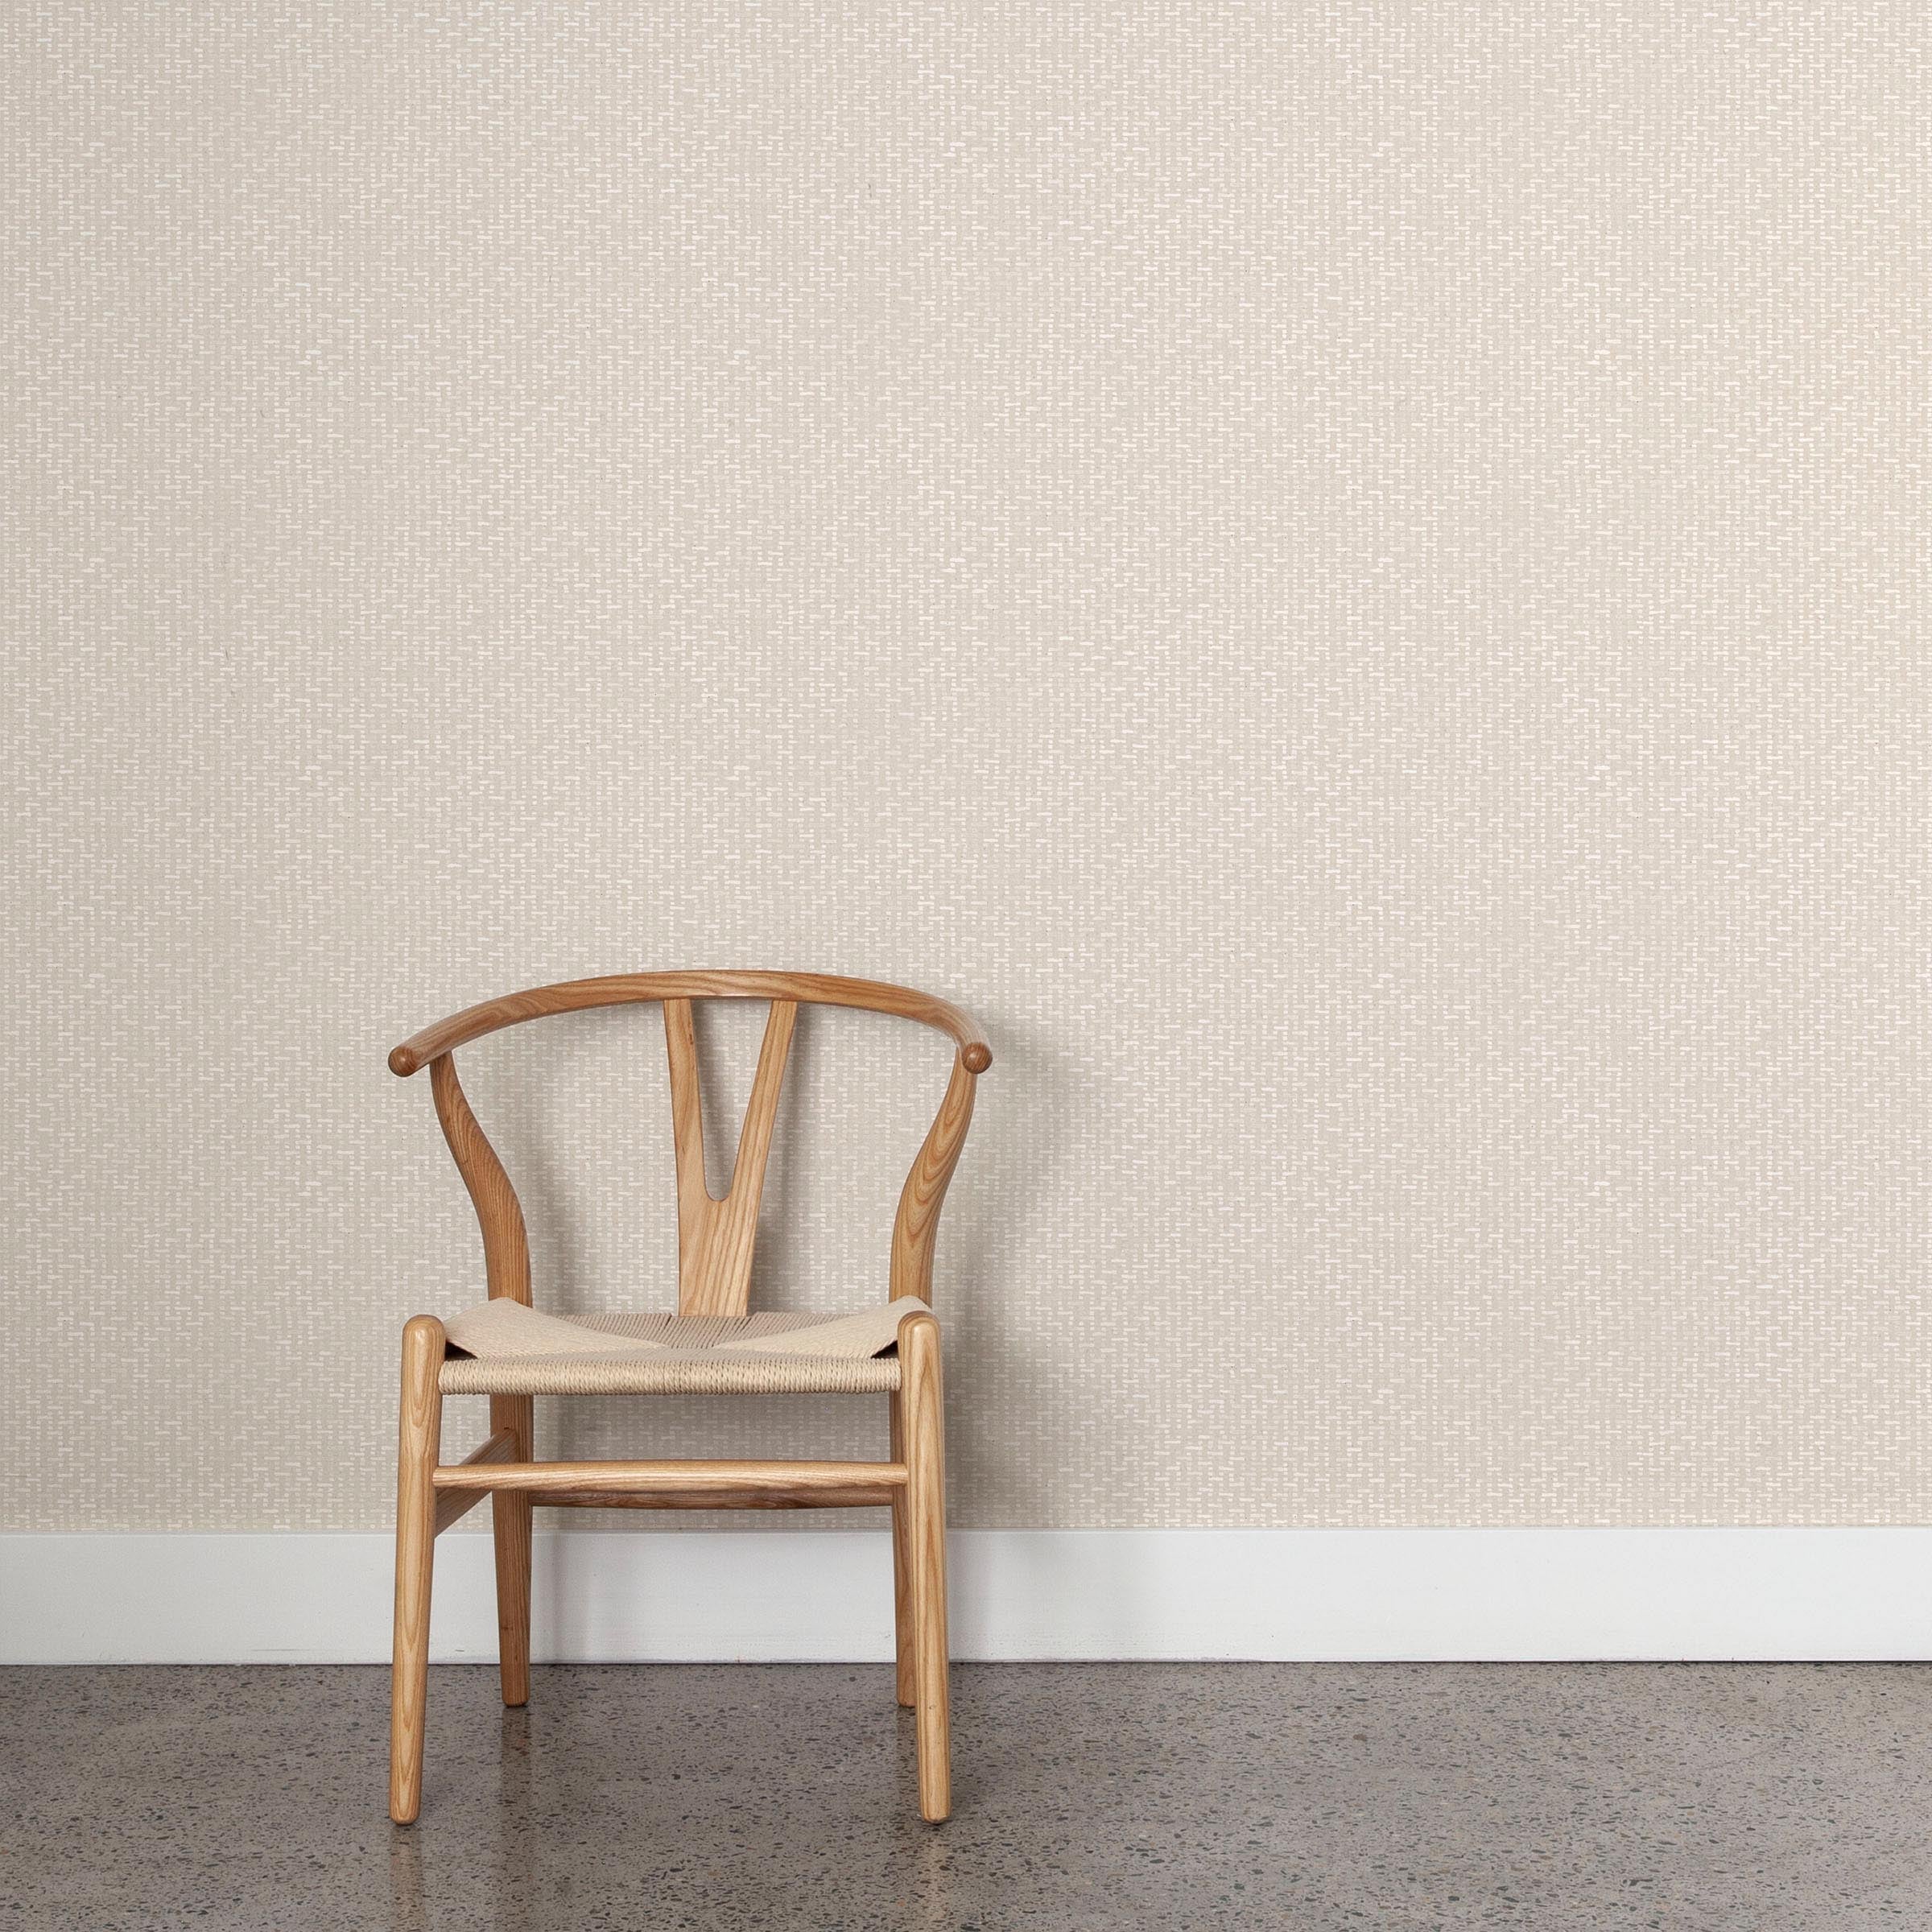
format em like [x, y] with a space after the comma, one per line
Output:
[1354, 577]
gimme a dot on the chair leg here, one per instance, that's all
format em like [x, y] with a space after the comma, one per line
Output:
[510, 1530]
[901, 1569]
[419, 1442]
[925, 1437]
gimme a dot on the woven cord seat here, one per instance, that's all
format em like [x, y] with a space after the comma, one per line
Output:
[509, 1349]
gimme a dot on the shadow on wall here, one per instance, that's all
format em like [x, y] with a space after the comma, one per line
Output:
[1019, 1342]
[578, 1107]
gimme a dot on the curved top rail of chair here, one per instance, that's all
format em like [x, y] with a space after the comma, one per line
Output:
[628, 988]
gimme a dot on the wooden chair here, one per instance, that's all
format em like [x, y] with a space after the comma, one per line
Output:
[715, 1242]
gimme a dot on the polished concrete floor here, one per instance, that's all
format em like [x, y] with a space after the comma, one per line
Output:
[1690, 1796]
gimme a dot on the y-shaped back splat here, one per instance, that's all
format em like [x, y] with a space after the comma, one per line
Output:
[716, 1235]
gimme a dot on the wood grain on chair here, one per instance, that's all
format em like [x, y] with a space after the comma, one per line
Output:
[716, 1236]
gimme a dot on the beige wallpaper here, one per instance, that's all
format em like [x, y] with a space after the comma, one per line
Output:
[1353, 576]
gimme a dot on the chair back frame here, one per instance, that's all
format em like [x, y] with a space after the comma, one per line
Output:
[716, 1234]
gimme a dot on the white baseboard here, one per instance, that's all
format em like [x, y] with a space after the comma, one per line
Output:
[1281, 1594]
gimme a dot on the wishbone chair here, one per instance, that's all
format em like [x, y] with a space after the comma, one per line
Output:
[507, 1350]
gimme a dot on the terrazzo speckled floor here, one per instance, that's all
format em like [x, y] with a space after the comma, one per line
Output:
[1688, 1797]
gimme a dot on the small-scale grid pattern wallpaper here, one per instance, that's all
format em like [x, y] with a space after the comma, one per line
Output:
[1353, 576]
